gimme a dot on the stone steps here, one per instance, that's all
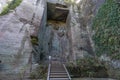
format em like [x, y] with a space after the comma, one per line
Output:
[57, 71]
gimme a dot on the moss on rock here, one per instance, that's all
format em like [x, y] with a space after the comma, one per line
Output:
[34, 40]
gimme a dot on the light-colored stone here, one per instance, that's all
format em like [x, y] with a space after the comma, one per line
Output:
[15, 31]
[80, 22]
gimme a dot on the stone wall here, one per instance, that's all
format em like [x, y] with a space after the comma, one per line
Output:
[80, 27]
[42, 39]
[15, 31]
[78, 30]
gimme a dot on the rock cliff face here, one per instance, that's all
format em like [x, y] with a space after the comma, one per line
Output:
[76, 41]
[80, 20]
[59, 41]
[65, 40]
[15, 31]
[53, 33]
[70, 40]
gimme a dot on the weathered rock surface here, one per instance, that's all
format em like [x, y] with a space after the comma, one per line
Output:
[53, 39]
[80, 21]
[56, 1]
[78, 30]
[15, 30]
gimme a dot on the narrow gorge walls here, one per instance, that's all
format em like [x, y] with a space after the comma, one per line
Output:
[59, 43]
[16, 28]
[53, 40]
[81, 16]
[73, 38]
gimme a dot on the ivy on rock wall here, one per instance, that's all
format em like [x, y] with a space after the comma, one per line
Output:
[106, 25]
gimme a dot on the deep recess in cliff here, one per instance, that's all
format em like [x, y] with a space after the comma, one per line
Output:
[53, 36]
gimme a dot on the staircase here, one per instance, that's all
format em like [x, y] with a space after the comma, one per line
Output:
[57, 71]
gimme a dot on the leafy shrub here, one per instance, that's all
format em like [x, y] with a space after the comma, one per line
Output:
[11, 6]
[39, 73]
[5, 10]
[106, 25]
[88, 67]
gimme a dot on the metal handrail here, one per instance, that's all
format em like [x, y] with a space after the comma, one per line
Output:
[67, 71]
[48, 76]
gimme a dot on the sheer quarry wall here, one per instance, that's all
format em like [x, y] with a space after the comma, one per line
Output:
[15, 31]
[79, 23]
[42, 38]
[52, 27]
[77, 31]
[71, 39]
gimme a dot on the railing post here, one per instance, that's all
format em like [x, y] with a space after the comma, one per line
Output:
[48, 72]
[49, 66]
[67, 72]
[50, 59]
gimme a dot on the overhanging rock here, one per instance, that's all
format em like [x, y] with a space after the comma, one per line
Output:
[57, 12]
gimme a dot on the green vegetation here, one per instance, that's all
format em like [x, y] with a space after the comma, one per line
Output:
[34, 40]
[88, 67]
[39, 73]
[106, 25]
[11, 6]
